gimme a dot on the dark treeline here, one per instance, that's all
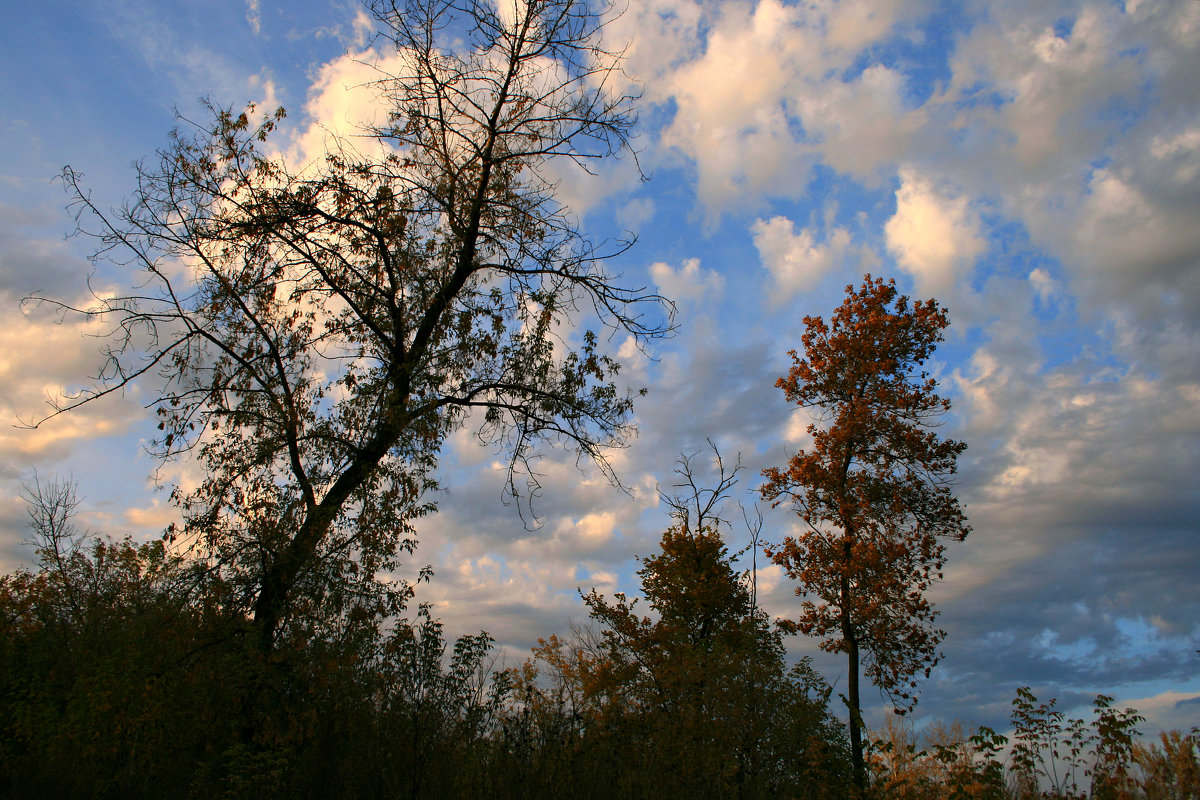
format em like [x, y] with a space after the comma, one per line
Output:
[129, 671]
[126, 671]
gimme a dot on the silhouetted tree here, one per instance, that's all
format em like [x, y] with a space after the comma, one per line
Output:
[318, 334]
[701, 682]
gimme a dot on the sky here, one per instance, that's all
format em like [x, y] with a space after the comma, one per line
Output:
[1034, 166]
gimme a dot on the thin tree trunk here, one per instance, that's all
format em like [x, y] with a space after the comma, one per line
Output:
[856, 745]
[852, 701]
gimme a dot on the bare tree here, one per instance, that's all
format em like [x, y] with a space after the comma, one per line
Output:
[697, 506]
[316, 335]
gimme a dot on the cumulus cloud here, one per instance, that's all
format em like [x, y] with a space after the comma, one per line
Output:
[343, 103]
[689, 282]
[861, 126]
[510, 11]
[797, 261]
[580, 190]
[1080, 124]
[1034, 94]
[657, 36]
[759, 94]
[731, 120]
[934, 237]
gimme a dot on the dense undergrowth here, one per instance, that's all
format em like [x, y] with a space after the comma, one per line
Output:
[123, 675]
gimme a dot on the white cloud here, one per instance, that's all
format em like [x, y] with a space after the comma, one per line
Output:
[934, 237]
[657, 36]
[796, 261]
[796, 433]
[861, 126]
[730, 119]
[1181, 151]
[758, 96]
[1035, 99]
[40, 361]
[1165, 711]
[852, 25]
[595, 530]
[636, 213]
[1127, 244]
[344, 101]
[362, 27]
[1044, 286]
[254, 16]
[1064, 442]
[689, 282]
[510, 11]
[580, 191]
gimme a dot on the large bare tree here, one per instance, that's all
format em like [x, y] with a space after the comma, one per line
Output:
[314, 335]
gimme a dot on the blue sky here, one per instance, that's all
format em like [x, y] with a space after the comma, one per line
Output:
[1033, 165]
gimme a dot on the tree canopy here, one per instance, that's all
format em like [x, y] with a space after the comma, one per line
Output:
[701, 681]
[317, 333]
[873, 492]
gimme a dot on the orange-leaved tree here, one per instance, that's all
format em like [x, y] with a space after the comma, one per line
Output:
[873, 491]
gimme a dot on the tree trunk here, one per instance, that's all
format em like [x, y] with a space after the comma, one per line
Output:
[849, 635]
[856, 746]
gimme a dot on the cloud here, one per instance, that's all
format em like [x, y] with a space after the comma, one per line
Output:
[580, 191]
[344, 102]
[796, 261]
[759, 92]
[852, 25]
[1047, 157]
[510, 11]
[730, 118]
[44, 360]
[1168, 710]
[657, 36]
[689, 282]
[1076, 483]
[154, 38]
[254, 16]
[934, 237]
[152, 519]
[1080, 125]
[40, 360]
[1038, 97]
[31, 263]
[1046, 288]
[635, 213]
[861, 127]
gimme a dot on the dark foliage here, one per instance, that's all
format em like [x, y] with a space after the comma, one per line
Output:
[127, 671]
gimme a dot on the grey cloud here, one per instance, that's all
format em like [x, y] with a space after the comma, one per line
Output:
[43, 263]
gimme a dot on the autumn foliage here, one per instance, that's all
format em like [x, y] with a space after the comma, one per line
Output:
[689, 698]
[703, 681]
[872, 491]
